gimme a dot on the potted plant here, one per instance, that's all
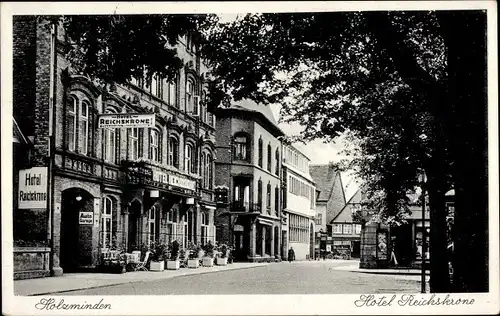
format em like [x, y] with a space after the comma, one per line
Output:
[221, 259]
[158, 255]
[173, 262]
[208, 259]
[193, 258]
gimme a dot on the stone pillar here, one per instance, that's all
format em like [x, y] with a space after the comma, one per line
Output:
[125, 231]
[263, 240]
[55, 269]
[272, 241]
[253, 230]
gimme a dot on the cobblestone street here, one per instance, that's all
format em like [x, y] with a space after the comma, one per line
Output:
[316, 277]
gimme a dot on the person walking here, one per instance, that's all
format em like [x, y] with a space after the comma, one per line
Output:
[291, 254]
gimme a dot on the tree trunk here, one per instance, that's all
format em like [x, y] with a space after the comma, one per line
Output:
[464, 35]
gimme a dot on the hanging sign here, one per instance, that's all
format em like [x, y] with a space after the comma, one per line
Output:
[86, 218]
[182, 182]
[32, 188]
[130, 120]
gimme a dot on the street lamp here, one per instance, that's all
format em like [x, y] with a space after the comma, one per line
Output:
[422, 179]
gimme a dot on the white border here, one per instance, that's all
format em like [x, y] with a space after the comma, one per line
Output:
[486, 303]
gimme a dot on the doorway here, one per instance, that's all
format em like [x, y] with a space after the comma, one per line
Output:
[76, 233]
[134, 226]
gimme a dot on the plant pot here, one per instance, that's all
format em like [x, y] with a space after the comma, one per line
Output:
[208, 262]
[157, 266]
[173, 264]
[193, 263]
[221, 261]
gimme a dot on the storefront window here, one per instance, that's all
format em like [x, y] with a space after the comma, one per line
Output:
[152, 224]
[204, 228]
[107, 223]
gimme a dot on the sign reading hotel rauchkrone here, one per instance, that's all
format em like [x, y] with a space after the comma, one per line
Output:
[32, 188]
[126, 120]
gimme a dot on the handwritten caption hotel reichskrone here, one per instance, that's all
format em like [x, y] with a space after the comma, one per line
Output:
[410, 300]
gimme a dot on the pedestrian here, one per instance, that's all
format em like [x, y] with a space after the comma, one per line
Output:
[291, 254]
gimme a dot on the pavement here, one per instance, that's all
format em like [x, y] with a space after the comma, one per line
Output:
[79, 281]
[354, 267]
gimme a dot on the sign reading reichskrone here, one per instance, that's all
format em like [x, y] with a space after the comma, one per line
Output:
[182, 182]
[32, 188]
[127, 120]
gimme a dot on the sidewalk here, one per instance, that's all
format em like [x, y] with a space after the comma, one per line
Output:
[354, 267]
[80, 281]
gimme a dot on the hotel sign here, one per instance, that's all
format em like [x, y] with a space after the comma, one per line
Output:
[130, 120]
[182, 182]
[32, 188]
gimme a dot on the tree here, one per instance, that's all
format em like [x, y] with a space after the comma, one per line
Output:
[344, 69]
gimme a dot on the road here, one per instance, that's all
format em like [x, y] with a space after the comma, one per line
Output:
[316, 277]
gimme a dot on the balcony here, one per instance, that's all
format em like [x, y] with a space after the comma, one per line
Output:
[245, 207]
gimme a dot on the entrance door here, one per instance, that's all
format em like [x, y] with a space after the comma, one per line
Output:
[76, 237]
[133, 226]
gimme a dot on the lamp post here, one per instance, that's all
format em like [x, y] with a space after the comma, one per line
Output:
[422, 179]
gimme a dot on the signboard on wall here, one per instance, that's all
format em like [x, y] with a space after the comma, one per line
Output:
[33, 188]
[86, 218]
[382, 245]
[182, 182]
[126, 120]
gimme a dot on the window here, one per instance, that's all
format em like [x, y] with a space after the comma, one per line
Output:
[259, 193]
[83, 135]
[152, 224]
[71, 122]
[190, 96]
[357, 229]
[173, 152]
[211, 119]
[268, 197]
[240, 148]
[260, 152]
[299, 228]
[203, 107]
[347, 229]
[189, 159]
[110, 142]
[337, 228]
[209, 170]
[269, 158]
[276, 200]
[171, 225]
[154, 145]
[277, 159]
[203, 171]
[156, 86]
[204, 228]
[319, 219]
[107, 223]
[134, 144]
[170, 93]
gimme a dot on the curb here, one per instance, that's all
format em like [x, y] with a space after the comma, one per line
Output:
[141, 281]
[381, 272]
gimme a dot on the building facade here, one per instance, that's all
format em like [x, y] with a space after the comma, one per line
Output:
[330, 200]
[248, 173]
[299, 204]
[112, 187]
[345, 233]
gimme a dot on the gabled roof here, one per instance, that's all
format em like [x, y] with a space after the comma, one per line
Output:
[252, 106]
[356, 198]
[325, 177]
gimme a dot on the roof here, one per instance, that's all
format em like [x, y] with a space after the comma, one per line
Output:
[356, 198]
[325, 177]
[253, 106]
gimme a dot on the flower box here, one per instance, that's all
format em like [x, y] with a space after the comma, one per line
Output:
[208, 262]
[193, 263]
[221, 261]
[157, 266]
[173, 264]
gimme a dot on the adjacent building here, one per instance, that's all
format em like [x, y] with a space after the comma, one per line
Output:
[113, 187]
[299, 204]
[248, 181]
[330, 200]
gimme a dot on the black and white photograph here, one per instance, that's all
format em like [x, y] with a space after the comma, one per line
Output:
[274, 158]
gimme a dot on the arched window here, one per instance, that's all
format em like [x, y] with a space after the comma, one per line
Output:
[173, 152]
[269, 157]
[190, 96]
[134, 144]
[277, 158]
[189, 159]
[110, 144]
[209, 171]
[202, 170]
[71, 108]
[170, 93]
[107, 223]
[260, 152]
[155, 141]
[259, 194]
[241, 147]
[268, 197]
[83, 135]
